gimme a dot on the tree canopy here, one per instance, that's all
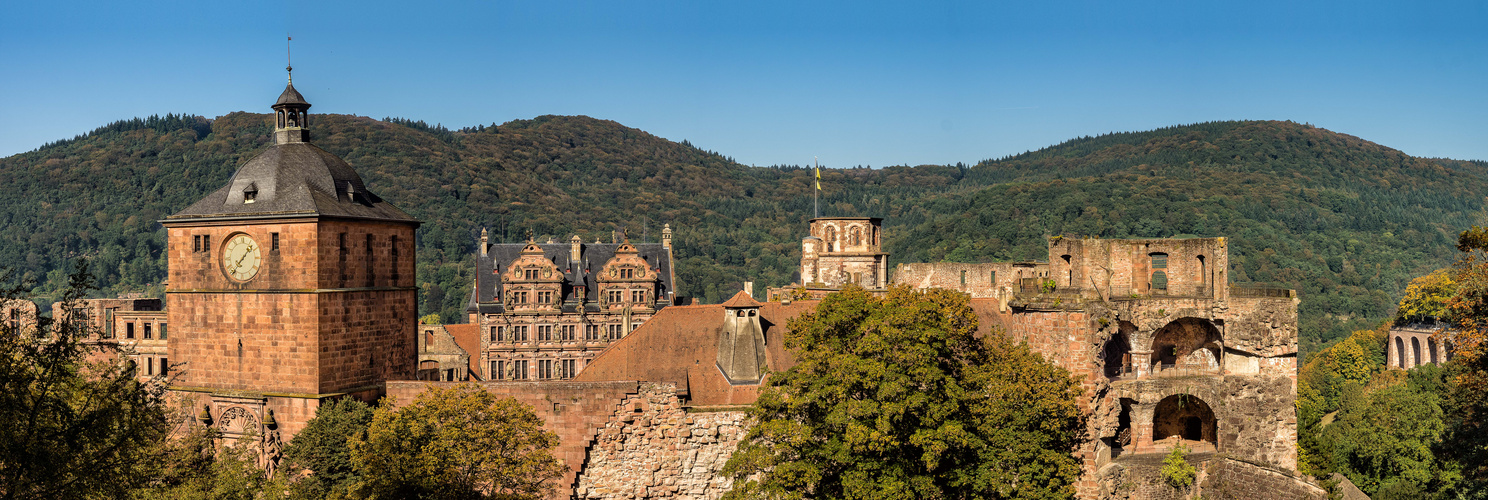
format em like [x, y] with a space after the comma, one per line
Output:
[455, 443]
[896, 397]
[70, 428]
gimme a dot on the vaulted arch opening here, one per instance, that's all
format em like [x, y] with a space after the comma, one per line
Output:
[1399, 352]
[1187, 344]
[1415, 352]
[1186, 418]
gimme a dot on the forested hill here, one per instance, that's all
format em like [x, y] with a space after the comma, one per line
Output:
[1345, 221]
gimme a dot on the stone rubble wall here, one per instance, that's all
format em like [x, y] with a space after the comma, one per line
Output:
[652, 447]
[1219, 478]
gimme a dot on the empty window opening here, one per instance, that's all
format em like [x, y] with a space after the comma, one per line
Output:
[1399, 352]
[147, 333]
[128, 330]
[1431, 349]
[273, 242]
[162, 331]
[164, 366]
[963, 278]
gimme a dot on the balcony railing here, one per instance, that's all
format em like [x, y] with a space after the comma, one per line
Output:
[1184, 369]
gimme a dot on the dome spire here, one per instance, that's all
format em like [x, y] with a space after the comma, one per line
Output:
[289, 60]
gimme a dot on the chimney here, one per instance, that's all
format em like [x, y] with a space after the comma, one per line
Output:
[575, 245]
[749, 288]
[483, 245]
[666, 236]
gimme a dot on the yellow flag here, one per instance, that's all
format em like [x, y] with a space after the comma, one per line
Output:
[818, 178]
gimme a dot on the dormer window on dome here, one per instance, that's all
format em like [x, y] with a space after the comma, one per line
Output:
[250, 193]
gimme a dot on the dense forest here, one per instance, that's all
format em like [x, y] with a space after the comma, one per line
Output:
[1345, 221]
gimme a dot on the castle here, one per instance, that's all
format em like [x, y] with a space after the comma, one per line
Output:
[293, 284]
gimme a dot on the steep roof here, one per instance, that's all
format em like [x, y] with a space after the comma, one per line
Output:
[741, 299]
[468, 338]
[680, 345]
[294, 180]
[499, 256]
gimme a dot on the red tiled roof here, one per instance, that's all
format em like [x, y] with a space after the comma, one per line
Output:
[468, 338]
[741, 299]
[680, 345]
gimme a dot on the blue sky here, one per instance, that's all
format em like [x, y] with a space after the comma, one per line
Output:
[855, 83]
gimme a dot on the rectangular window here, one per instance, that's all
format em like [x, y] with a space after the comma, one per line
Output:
[614, 296]
[634, 327]
[149, 366]
[393, 249]
[544, 369]
[128, 330]
[341, 244]
[519, 333]
[566, 369]
[567, 332]
[591, 332]
[147, 332]
[519, 370]
[273, 242]
[993, 279]
[545, 297]
[164, 365]
[196, 242]
[627, 273]
[963, 278]
[496, 332]
[613, 332]
[207, 243]
[498, 370]
[545, 333]
[638, 296]
[162, 331]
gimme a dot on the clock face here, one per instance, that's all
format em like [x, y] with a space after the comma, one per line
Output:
[240, 258]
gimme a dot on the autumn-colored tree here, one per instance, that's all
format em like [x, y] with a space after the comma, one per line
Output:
[455, 443]
[896, 397]
[1428, 297]
[1467, 415]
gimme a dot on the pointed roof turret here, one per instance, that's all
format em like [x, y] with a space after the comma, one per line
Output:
[741, 300]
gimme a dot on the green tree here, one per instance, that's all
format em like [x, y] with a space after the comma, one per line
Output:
[323, 448]
[896, 397]
[455, 443]
[70, 428]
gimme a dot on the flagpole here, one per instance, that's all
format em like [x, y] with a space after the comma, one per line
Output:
[815, 194]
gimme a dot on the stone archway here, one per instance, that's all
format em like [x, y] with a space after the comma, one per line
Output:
[1399, 352]
[1185, 418]
[1116, 354]
[1188, 344]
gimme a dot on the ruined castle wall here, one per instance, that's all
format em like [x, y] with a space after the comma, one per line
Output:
[651, 447]
[1219, 477]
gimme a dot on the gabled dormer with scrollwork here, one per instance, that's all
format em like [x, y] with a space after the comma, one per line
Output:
[627, 281]
[532, 283]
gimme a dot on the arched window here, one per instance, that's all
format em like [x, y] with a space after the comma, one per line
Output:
[1431, 348]
[854, 236]
[829, 235]
[1185, 416]
[1399, 352]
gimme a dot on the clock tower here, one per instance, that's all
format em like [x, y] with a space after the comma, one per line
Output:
[292, 284]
